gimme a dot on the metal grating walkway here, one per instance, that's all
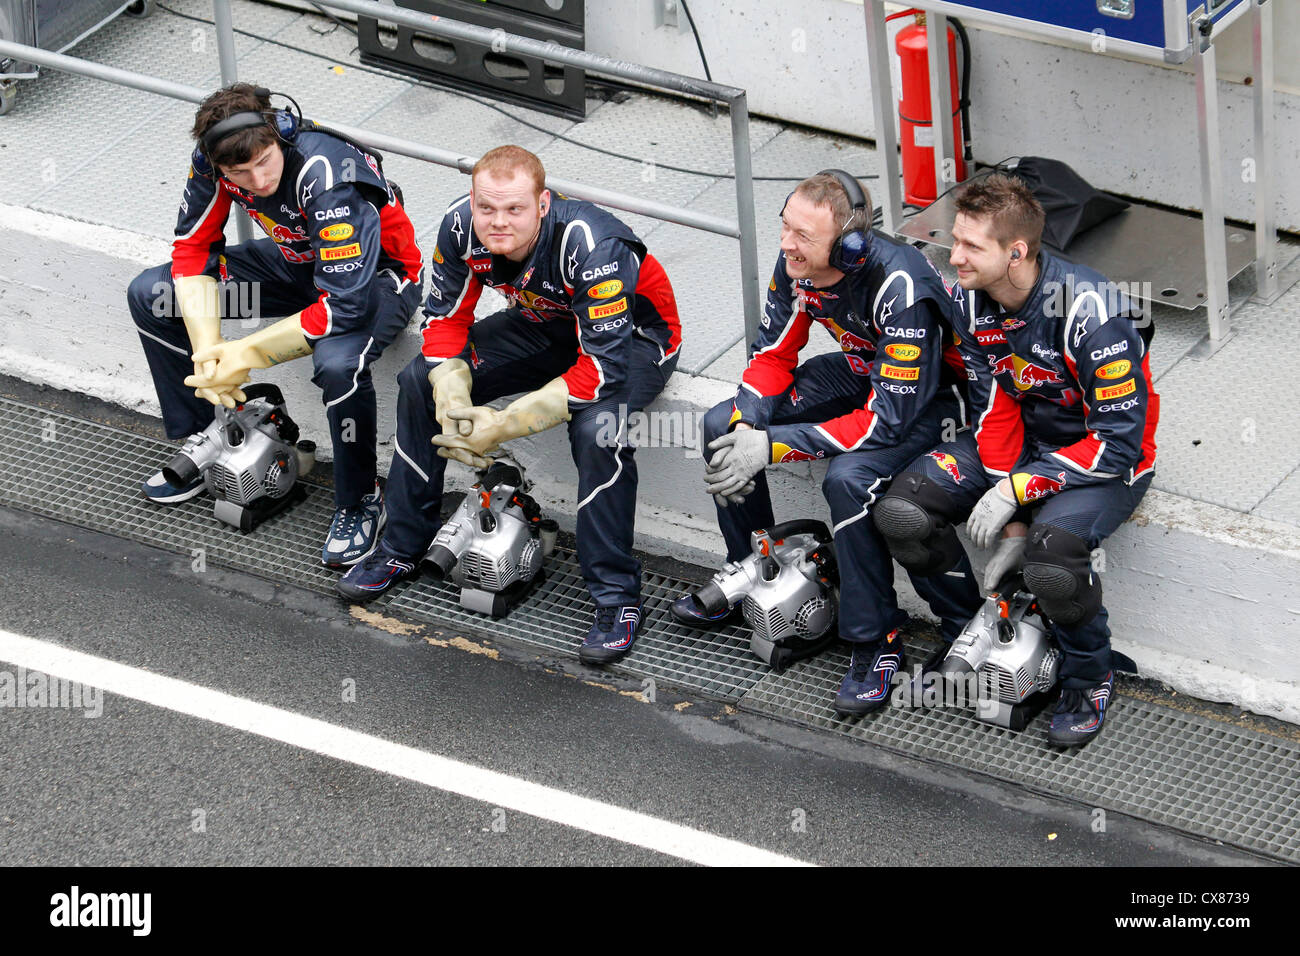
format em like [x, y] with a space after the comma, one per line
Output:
[1185, 771]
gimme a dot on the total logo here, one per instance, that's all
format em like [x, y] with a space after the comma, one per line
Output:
[815, 300]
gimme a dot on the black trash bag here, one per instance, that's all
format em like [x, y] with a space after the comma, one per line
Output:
[1072, 206]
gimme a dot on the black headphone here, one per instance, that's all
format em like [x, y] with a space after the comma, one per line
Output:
[284, 123]
[1015, 253]
[849, 250]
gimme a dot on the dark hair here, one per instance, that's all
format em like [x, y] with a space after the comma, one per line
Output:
[240, 147]
[1011, 209]
[824, 189]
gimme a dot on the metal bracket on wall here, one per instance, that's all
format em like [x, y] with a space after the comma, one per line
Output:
[486, 68]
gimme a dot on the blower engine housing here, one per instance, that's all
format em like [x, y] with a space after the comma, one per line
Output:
[786, 589]
[250, 459]
[494, 544]
[1009, 648]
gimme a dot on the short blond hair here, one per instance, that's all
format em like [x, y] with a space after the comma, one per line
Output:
[504, 161]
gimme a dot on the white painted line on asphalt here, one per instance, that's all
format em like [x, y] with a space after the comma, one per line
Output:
[331, 740]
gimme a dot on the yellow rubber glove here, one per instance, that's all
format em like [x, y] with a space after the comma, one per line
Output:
[199, 300]
[526, 415]
[266, 347]
[451, 381]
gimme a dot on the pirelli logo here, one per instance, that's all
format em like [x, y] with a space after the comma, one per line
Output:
[902, 374]
[904, 353]
[350, 251]
[1116, 391]
[595, 312]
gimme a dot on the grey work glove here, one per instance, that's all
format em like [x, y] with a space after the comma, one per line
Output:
[738, 457]
[1005, 558]
[989, 516]
[737, 499]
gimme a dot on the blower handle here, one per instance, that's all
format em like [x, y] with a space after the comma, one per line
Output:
[267, 390]
[810, 526]
[499, 473]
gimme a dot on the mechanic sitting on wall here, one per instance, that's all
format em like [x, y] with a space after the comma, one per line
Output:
[591, 335]
[341, 263]
[871, 408]
[1064, 421]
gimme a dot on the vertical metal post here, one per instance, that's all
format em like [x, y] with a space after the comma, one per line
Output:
[936, 40]
[749, 280]
[226, 57]
[882, 109]
[1266, 278]
[1216, 251]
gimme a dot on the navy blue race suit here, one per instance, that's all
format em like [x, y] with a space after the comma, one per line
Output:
[1062, 404]
[341, 251]
[588, 304]
[871, 408]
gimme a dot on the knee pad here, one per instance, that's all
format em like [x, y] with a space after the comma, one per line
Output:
[1058, 569]
[920, 538]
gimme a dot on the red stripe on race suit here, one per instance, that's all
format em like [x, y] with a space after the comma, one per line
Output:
[397, 238]
[849, 430]
[190, 255]
[1153, 418]
[652, 283]
[583, 377]
[771, 371]
[445, 336]
[1000, 432]
[313, 319]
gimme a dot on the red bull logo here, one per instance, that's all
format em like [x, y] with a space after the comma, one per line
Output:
[281, 234]
[850, 342]
[531, 300]
[948, 463]
[784, 453]
[1025, 375]
[1033, 487]
[474, 360]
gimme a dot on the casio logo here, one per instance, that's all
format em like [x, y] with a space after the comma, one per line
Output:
[605, 270]
[1099, 354]
[338, 212]
[905, 333]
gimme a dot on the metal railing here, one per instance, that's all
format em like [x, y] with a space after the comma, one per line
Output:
[742, 228]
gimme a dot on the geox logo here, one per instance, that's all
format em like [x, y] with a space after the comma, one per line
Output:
[103, 909]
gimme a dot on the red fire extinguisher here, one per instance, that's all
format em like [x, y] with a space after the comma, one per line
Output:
[916, 127]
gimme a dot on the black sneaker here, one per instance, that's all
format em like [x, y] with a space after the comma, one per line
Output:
[374, 575]
[865, 687]
[1080, 714]
[612, 634]
[160, 491]
[686, 610]
[354, 533]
